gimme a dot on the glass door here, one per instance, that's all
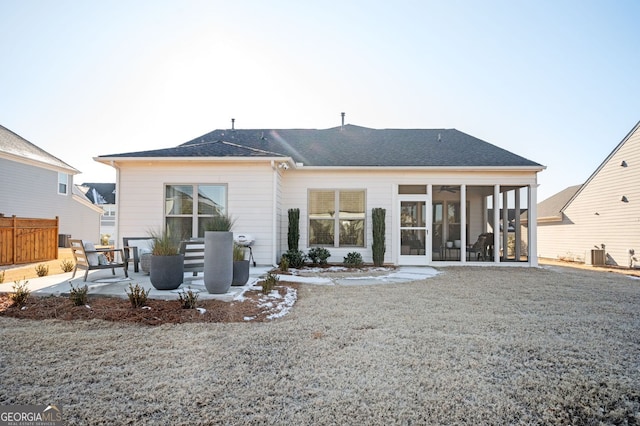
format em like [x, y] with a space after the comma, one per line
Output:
[414, 217]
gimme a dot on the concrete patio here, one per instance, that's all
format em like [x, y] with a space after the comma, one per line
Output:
[102, 282]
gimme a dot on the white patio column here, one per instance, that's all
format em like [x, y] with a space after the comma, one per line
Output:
[463, 223]
[517, 226]
[505, 225]
[532, 215]
[496, 223]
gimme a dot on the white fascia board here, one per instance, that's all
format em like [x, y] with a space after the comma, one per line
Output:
[35, 163]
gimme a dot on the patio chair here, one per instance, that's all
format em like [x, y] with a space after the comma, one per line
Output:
[134, 248]
[193, 251]
[89, 258]
[479, 248]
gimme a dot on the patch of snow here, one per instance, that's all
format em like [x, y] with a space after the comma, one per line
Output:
[87, 306]
[147, 307]
[285, 306]
[201, 310]
[306, 280]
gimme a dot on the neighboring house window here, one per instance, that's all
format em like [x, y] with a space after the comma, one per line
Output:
[337, 218]
[63, 180]
[191, 207]
[108, 215]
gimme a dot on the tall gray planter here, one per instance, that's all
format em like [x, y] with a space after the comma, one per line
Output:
[166, 272]
[218, 261]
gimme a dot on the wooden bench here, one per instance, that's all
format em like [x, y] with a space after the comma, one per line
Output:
[90, 260]
[193, 251]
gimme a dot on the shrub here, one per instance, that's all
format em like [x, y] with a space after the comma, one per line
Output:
[78, 295]
[269, 282]
[220, 223]
[42, 269]
[296, 258]
[319, 255]
[284, 263]
[137, 295]
[162, 244]
[188, 299]
[66, 265]
[293, 234]
[353, 259]
[238, 252]
[20, 293]
[378, 230]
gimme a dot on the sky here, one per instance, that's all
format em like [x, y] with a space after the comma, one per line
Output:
[554, 81]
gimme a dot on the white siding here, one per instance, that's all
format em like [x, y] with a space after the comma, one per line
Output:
[29, 191]
[380, 190]
[598, 216]
[140, 191]
[260, 196]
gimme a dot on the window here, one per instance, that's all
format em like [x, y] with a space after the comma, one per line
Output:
[336, 218]
[63, 180]
[191, 207]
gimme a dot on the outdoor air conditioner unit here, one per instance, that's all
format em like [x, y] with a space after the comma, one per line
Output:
[597, 257]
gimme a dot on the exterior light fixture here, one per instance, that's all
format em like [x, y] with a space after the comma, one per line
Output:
[624, 199]
[623, 164]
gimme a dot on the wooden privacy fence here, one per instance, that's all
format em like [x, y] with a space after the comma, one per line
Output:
[28, 240]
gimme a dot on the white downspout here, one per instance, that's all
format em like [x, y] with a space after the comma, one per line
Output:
[532, 214]
[274, 215]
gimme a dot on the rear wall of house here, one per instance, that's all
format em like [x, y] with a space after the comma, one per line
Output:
[381, 191]
[250, 189]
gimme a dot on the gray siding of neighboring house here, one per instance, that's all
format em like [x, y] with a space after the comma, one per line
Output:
[597, 216]
[30, 191]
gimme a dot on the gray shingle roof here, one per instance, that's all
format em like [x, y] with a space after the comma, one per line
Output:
[348, 146]
[14, 144]
[552, 206]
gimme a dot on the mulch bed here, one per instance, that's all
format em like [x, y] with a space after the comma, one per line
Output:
[156, 312]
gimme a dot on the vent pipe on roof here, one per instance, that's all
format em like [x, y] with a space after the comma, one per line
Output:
[342, 126]
[233, 123]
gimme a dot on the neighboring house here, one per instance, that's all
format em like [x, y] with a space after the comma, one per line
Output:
[104, 196]
[335, 177]
[36, 184]
[603, 213]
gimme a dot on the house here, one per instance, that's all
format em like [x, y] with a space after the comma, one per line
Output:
[104, 196]
[36, 184]
[436, 186]
[598, 221]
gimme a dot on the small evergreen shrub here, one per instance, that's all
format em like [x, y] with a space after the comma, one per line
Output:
[293, 233]
[20, 293]
[137, 295]
[378, 230]
[353, 260]
[319, 255]
[42, 269]
[66, 265]
[188, 299]
[296, 258]
[284, 264]
[269, 283]
[78, 295]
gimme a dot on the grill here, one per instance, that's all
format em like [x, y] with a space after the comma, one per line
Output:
[245, 240]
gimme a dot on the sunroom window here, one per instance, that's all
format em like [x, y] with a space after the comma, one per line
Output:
[337, 218]
[190, 207]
